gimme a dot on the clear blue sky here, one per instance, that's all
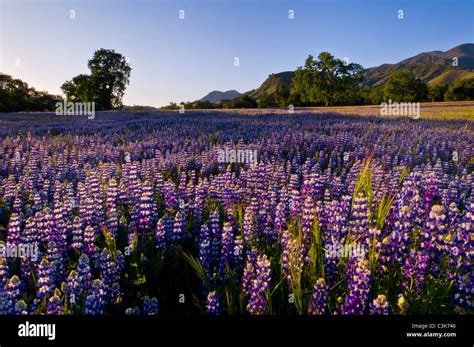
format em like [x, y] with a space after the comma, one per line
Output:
[182, 60]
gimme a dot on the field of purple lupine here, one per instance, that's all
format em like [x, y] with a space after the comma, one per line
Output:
[134, 214]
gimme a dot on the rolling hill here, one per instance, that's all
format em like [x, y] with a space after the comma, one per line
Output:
[434, 67]
[272, 83]
[216, 95]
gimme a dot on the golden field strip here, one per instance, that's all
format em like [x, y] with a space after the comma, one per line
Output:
[429, 110]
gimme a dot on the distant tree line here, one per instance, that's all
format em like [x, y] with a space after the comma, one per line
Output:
[402, 86]
[328, 81]
[105, 85]
[321, 81]
[16, 96]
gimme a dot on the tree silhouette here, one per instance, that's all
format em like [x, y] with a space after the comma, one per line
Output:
[110, 74]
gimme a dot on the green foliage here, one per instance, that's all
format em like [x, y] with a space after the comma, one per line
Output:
[196, 265]
[372, 96]
[402, 86]
[363, 184]
[295, 99]
[296, 270]
[461, 90]
[436, 92]
[200, 105]
[110, 73]
[79, 89]
[265, 101]
[281, 96]
[243, 101]
[171, 106]
[16, 95]
[327, 81]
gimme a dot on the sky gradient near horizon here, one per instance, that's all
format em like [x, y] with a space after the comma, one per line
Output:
[177, 59]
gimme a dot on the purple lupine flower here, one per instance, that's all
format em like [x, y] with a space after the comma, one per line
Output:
[6, 305]
[84, 272]
[295, 203]
[109, 276]
[13, 288]
[161, 235]
[179, 227]
[464, 292]
[29, 235]
[55, 257]
[214, 236]
[145, 207]
[96, 301]
[77, 234]
[171, 200]
[119, 262]
[431, 192]
[204, 245]
[73, 288]
[199, 203]
[432, 237]
[227, 245]
[89, 211]
[360, 215]
[10, 295]
[237, 253]
[55, 304]
[90, 237]
[401, 233]
[280, 218]
[111, 205]
[135, 311]
[21, 308]
[248, 273]
[461, 260]
[259, 285]
[60, 229]
[151, 306]
[380, 305]
[307, 221]
[212, 304]
[4, 272]
[358, 287]
[414, 271]
[249, 226]
[265, 223]
[14, 228]
[44, 280]
[45, 225]
[291, 257]
[93, 185]
[214, 224]
[317, 305]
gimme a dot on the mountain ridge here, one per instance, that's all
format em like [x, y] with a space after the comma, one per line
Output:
[217, 95]
[433, 67]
